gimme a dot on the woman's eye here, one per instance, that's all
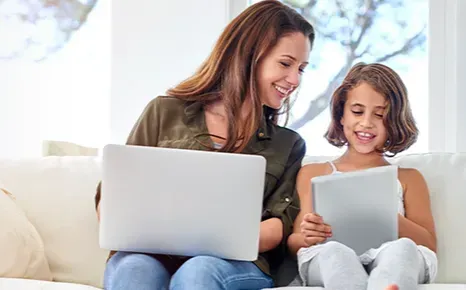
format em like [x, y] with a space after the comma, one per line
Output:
[357, 112]
[285, 64]
[379, 115]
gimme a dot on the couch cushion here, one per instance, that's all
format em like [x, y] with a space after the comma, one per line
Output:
[445, 174]
[21, 247]
[57, 195]
[24, 284]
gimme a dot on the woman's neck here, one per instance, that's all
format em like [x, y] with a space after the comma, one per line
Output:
[218, 108]
[357, 160]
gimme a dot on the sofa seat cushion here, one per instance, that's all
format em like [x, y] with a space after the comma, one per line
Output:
[422, 287]
[57, 195]
[26, 284]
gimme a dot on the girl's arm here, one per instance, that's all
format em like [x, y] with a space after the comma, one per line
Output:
[418, 225]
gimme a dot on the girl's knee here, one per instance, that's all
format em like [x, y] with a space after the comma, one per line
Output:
[404, 245]
[333, 247]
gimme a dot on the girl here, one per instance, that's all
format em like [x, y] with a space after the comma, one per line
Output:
[371, 116]
[230, 104]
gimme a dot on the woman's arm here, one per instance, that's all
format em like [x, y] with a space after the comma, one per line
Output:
[418, 225]
[271, 234]
[281, 208]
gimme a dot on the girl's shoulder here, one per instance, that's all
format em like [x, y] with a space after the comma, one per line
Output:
[409, 174]
[410, 178]
[315, 169]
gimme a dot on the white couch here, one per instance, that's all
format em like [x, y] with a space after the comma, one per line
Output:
[57, 194]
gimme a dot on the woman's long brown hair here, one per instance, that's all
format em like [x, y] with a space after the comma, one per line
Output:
[229, 72]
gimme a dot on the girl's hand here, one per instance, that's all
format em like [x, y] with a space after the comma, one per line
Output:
[314, 229]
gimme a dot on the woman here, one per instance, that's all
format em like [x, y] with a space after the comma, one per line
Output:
[371, 116]
[231, 104]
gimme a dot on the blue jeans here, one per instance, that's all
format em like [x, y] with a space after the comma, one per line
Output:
[144, 272]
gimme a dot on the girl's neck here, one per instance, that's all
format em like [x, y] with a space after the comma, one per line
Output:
[356, 160]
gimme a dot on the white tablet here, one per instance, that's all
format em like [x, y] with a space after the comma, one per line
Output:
[360, 206]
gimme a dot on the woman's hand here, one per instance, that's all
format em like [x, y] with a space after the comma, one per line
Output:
[314, 229]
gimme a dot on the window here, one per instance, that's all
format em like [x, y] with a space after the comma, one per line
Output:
[65, 95]
[351, 31]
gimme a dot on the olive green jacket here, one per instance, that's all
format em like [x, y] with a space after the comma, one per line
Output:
[174, 123]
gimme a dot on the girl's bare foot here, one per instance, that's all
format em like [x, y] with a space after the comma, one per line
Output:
[392, 287]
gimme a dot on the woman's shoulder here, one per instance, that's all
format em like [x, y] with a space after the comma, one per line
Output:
[166, 101]
[167, 107]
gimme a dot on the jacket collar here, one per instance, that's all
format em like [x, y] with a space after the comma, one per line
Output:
[195, 120]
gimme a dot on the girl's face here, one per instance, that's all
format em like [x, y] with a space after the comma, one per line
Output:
[279, 73]
[362, 119]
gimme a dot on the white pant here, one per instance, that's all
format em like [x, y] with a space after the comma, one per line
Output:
[337, 267]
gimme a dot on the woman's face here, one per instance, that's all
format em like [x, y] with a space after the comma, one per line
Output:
[279, 73]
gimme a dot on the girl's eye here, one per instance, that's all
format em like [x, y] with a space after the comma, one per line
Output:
[357, 112]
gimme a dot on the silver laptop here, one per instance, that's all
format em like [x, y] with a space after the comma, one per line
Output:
[360, 206]
[181, 202]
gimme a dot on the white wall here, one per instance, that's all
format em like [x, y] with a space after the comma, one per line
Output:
[20, 120]
[156, 44]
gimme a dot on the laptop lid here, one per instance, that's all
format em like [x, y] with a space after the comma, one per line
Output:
[181, 202]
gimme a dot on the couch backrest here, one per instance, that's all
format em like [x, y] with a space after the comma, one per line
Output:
[57, 194]
[445, 175]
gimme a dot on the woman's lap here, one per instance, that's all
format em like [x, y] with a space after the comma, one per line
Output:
[141, 271]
